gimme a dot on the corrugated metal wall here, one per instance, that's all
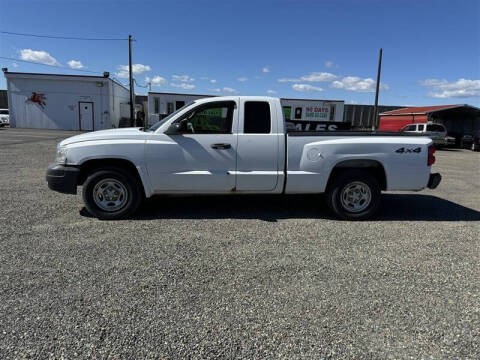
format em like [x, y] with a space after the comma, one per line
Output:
[360, 116]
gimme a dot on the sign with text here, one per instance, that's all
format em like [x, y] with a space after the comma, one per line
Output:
[313, 113]
[302, 125]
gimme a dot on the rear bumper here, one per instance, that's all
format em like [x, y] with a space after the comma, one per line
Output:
[439, 142]
[434, 180]
[62, 178]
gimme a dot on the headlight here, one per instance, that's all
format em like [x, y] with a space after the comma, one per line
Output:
[61, 156]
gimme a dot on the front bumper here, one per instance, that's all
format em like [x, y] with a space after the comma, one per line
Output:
[434, 180]
[62, 178]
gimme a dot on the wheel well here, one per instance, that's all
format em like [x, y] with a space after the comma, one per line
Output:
[91, 165]
[374, 167]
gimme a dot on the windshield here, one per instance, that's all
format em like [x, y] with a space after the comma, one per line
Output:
[155, 126]
[3, 112]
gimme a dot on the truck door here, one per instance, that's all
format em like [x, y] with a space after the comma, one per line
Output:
[257, 151]
[201, 158]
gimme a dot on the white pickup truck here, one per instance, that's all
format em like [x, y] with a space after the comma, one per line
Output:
[238, 145]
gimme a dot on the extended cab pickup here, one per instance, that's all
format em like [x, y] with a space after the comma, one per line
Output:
[238, 145]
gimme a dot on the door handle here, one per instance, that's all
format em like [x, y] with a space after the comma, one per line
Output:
[221, 146]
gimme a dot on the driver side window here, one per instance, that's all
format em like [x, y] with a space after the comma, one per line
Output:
[212, 118]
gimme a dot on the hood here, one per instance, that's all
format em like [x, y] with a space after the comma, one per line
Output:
[111, 134]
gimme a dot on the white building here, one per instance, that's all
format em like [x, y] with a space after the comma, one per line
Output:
[67, 102]
[301, 114]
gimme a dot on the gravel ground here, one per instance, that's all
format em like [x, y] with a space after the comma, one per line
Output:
[236, 277]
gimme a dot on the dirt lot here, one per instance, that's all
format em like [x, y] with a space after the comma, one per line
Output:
[245, 277]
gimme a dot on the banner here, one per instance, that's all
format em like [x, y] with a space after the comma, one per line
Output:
[302, 125]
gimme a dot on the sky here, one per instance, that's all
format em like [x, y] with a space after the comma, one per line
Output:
[322, 49]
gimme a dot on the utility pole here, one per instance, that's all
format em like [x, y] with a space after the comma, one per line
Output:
[132, 104]
[375, 108]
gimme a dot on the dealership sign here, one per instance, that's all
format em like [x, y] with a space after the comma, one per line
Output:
[312, 118]
[316, 113]
[302, 125]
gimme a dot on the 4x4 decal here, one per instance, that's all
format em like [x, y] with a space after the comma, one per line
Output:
[403, 150]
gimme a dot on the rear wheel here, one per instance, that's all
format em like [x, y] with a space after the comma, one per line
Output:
[111, 194]
[354, 195]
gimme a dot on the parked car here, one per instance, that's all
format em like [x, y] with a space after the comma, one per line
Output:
[450, 141]
[4, 117]
[466, 141]
[238, 145]
[436, 132]
[476, 141]
[471, 142]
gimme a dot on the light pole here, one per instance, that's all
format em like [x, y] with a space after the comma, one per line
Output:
[375, 108]
[131, 79]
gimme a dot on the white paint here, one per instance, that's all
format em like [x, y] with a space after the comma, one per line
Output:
[61, 95]
[186, 163]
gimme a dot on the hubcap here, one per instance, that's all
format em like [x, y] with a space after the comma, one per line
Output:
[110, 195]
[356, 196]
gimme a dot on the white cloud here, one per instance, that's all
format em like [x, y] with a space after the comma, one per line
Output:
[242, 79]
[329, 64]
[136, 69]
[443, 89]
[156, 80]
[312, 77]
[38, 56]
[183, 86]
[306, 88]
[75, 64]
[213, 81]
[271, 92]
[182, 78]
[15, 65]
[225, 90]
[266, 69]
[353, 102]
[354, 83]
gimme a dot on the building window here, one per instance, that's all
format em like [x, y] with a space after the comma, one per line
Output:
[179, 104]
[298, 113]
[287, 112]
[169, 108]
[256, 119]
[157, 105]
[332, 112]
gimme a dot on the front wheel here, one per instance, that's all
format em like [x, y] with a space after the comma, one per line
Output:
[354, 195]
[111, 194]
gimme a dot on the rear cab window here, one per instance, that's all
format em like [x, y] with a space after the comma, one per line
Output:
[435, 128]
[257, 117]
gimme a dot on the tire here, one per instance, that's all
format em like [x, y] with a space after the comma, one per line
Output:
[361, 195]
[117, 185]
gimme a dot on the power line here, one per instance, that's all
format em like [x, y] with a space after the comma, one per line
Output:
[143, 86]
[55, 66]
[117, 80]
[62, 37]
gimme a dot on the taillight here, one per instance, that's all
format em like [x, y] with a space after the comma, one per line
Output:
[431, 156]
